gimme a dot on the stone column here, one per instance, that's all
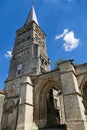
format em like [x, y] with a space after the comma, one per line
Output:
[25, 114]
[74, 109]
[62, 114]
[2, 96]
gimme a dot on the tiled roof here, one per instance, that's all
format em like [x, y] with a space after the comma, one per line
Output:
[2, 92]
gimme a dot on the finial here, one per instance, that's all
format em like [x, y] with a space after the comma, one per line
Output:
[32, 2]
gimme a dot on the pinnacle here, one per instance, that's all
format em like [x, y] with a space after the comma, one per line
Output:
[32, 16]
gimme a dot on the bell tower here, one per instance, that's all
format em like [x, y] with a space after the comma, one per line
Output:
[29, 58]
[29, 52]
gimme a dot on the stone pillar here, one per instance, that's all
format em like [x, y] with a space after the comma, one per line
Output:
[2, 96]
[62, 113]
[25, 114]
[74, 109]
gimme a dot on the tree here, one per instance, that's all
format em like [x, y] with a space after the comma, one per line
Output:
[57, 62]
[60, 61]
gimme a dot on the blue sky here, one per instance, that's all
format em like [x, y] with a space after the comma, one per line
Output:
[63, 21]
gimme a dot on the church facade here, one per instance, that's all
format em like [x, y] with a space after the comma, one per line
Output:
[36, 98]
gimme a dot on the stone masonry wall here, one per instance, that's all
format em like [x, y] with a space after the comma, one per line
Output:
[1, 105]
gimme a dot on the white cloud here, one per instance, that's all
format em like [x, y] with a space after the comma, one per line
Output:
[62, 35]
[70, 41]
[8, 54]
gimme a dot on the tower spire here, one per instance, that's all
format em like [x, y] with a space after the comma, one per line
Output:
[32, 16]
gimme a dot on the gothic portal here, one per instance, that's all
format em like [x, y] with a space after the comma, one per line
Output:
[36, 98]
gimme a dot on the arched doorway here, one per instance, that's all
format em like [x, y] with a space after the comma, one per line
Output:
[53, 108]
[7, 110]
[47, 109]
[84, 95]
[9, 116]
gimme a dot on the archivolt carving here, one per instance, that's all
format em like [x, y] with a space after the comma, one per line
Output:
[8, 106]
[84, 92]
[40, 94]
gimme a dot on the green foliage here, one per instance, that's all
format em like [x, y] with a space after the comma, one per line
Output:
[75, 64]
[60, 61]
[57, 62]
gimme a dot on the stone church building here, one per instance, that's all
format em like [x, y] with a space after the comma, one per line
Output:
[35, 97]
